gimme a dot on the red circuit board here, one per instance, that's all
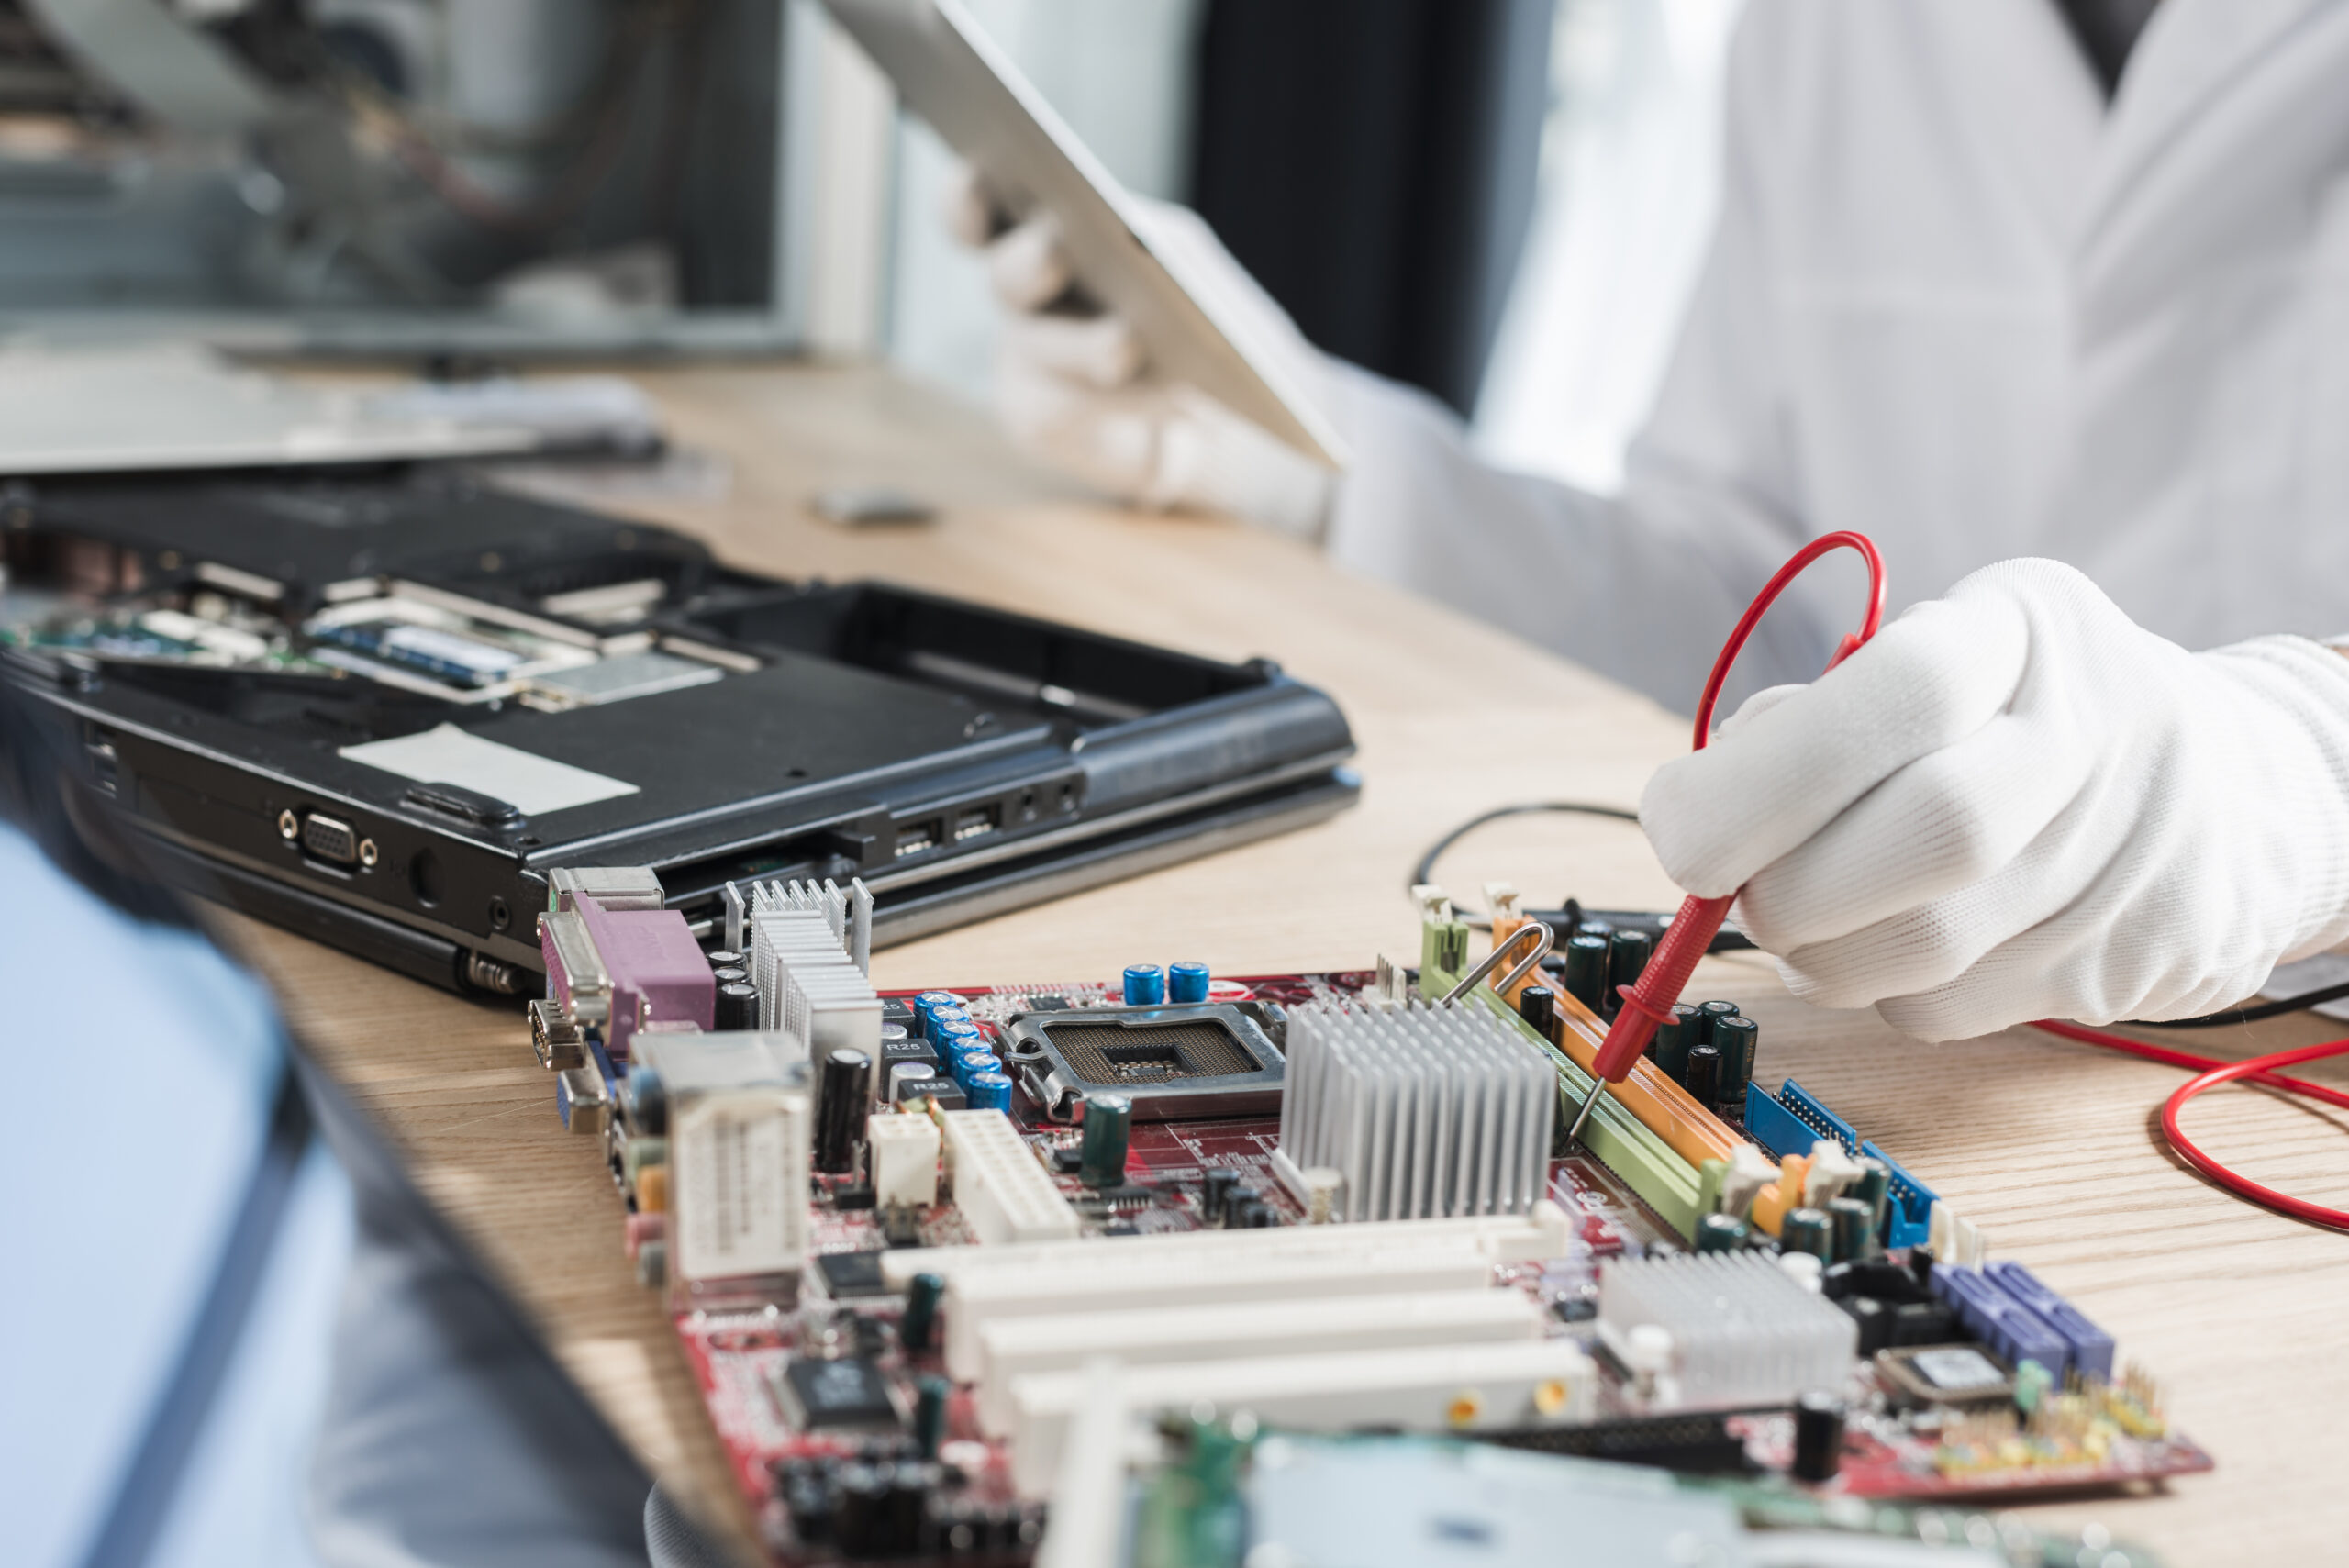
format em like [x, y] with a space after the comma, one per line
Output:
[1891, 1452]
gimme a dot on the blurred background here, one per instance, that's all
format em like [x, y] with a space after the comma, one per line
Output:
[1499, 201]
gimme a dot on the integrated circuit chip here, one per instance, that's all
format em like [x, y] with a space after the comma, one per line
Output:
[834, 1396]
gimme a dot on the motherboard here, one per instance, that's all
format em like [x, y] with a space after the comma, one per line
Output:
[912, 1241]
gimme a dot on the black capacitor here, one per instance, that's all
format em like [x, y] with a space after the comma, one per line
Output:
[1808, 1230]
[862, 1521]
[1255, 1215]
[1587, 970]
[731, 974]
[1854, 1221]
[1818, 1437]
[1627, 955]
[843, 1095]
[1874, 1189]
[727, 958]
[1720, 1233]
[1215, 1192]
[909, 1490]
[1714, 1011]
[930, 1414]
[1735, 1037]
[738, 1007]
[919, 1323]
[1702, 1075]
[1538, 1005]
[1668, 1047]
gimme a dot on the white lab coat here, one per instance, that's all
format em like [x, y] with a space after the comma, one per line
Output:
[1955, 301]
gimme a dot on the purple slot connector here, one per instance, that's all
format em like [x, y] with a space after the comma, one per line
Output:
[657, 971]
[2091, 1346]
[2005, 1325]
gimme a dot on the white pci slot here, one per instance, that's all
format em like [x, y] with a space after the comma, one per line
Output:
[972, 1301]
[1544, 1232]
[1547, 1383]
[1003, 1193]
[1022, 1347]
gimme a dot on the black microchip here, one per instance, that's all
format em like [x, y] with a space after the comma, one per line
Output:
[846, 1393]
[911, 1048]
[897, 1010]
[1048, 1003]
[848, 1275]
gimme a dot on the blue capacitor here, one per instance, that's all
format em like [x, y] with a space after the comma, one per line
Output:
[928, 1000]
[1145, 986]
[956, 1032]
[988, 1092]
[1185, 981]
[934, 1021]
[970, 1060]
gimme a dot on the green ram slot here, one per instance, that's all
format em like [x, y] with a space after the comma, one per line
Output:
[1622, 1142]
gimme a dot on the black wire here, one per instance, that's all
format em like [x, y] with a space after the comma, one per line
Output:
[2274, 1009]
[1424, 872]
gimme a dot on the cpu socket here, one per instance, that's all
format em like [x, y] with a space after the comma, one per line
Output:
[1175, 1063]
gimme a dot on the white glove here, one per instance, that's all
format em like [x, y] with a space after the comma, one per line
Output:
[2015, 804]
[1076, 389]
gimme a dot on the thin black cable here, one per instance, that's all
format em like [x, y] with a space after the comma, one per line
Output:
[2274, 1009]
[1424, 872]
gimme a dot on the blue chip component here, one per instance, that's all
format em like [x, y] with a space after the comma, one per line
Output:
[1145, 986]
[1185, 981]
[2092, 1347]
[988, 1092]
[2001, 1322]
[1909, 1216]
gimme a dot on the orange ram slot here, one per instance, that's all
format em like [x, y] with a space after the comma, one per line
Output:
[1669, 1111]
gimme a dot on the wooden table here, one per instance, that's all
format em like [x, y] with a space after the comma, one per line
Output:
[2053, 1148]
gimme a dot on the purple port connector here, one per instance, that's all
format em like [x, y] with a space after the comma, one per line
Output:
[657, 971]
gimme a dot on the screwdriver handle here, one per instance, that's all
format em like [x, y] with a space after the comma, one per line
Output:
[1649, 1003]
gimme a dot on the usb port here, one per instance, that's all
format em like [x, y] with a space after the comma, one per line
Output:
[973, 823]
[915, 838]
[329, 840]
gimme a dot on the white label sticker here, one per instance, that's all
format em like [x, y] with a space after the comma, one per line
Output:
[735, 1192]
[1957, 1369]
[446, 754]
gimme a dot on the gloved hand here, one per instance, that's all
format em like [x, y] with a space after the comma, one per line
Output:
[2016, 803]
[1076, 389]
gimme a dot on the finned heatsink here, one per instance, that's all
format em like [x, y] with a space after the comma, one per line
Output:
[1742, 1330]
[1424, 1111]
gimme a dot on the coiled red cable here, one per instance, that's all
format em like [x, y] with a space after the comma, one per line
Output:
[2260, 1070]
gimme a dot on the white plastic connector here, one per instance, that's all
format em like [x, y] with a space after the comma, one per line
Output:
[1544, 1383]
[1831, 1174]
[1023, 1347]
[1748, 1172]
[1109, 1282]
[1952, 1239]
[1003, 1193]
[902, 1152]
[1543, 1231]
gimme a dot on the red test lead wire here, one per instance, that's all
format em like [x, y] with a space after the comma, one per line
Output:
[1650, 1002]
[2260, 1070]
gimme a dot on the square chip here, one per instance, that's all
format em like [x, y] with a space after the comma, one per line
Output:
[828, 1396]
[849, 1274]
[1946, 1374]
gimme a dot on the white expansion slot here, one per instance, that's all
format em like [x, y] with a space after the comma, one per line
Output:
[972, 1301]
[1003, 1193]
[1022, 1347]
[1543, 1231]
[1547, 1383]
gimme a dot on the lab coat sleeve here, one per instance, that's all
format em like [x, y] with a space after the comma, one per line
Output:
[1640, 587]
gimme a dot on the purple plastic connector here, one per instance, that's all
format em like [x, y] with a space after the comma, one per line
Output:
[2091, 1346]
[657, 971]
[2005, 1325]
